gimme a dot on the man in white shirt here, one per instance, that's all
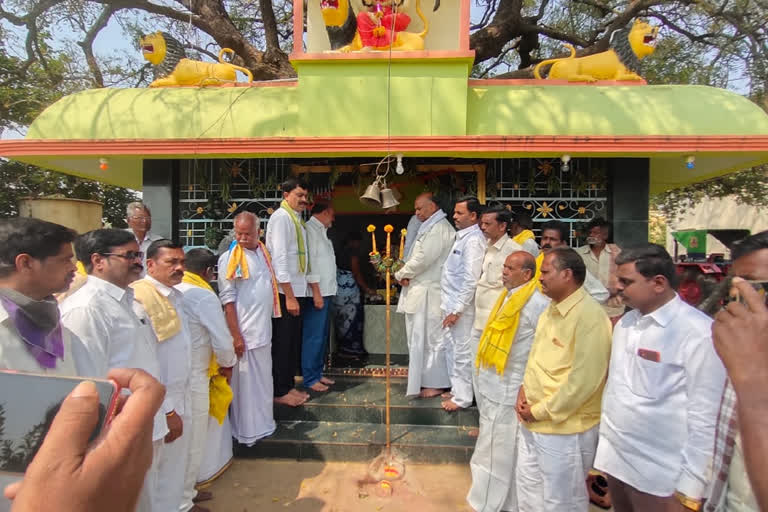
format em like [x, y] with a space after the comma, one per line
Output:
[494, 223]
[157, 299]
[458, 283]
[101, 314]
[739, 334]
[249, 305]
[493, 462]
[316, 320]
[554, 233]
[36, 261]
[663, 391]
[209, 336]
[600, 258]
[420, 300]
[287, 243]
[139, 220]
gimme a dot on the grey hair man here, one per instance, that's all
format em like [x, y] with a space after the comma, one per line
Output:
[139, 219]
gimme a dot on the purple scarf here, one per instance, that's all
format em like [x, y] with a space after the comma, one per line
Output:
[38, 325]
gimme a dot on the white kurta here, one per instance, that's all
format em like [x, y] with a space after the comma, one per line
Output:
[174, 356]
[322, 256]
[252, 405]
[494, 459]
[490, 285]
[665, 377]
[282, 244]
[15, 356]
[420, 301]
[209, 334]
[458, 283]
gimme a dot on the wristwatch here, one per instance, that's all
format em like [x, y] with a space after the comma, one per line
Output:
[687, 502]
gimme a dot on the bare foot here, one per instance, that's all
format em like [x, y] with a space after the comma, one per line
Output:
[450, 406]
[429, 392]
[447, 394]
[202, 496]
[473, 432]
[198, 508]
[319, 387]
[290, 400]
[327, 381]
[300, 394]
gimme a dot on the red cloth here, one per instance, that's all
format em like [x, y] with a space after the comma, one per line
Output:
[379, 35]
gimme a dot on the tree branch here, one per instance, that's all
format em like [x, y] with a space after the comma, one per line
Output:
[87, 43]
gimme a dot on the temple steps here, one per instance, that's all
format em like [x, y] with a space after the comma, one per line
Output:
[348, 423]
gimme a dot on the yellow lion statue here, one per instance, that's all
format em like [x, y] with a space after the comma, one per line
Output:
[621, 62]
[172, 68]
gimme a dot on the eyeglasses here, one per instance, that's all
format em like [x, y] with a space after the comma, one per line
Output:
[130, 255]
[145, 219]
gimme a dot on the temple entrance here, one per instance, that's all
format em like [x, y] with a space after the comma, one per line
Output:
[212, 192]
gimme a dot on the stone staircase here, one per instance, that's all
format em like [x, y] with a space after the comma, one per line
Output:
[348, 424]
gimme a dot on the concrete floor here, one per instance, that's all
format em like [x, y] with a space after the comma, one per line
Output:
[266, 485]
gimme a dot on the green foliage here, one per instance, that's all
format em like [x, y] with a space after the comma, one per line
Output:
[18, 181]
[749, 188]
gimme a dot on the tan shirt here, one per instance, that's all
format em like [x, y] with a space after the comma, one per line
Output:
[490, 284]
[604, 268]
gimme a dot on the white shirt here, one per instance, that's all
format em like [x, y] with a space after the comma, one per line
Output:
[503, 389]
[112, 335]
[208, 329]
[595, 288]
[530, 246]
[490, 284]
[144, 244]
[283, 246]
[462, 270]
[173, 354]
[253, 298]
[322, 257]
[657, 428]
[600, 267]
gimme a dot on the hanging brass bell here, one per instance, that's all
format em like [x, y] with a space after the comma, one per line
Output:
[388, 199]
[372, 195]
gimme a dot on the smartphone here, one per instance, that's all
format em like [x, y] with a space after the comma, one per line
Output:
[28, 404]
[761, 287]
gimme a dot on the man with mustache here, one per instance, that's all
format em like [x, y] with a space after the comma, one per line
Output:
[287, 242]
[555, 234]
[102, 315]
[661, 399]
[35, 262]
[600, 258]
[157, 299]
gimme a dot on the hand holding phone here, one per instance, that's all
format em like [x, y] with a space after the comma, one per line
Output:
[83, 476]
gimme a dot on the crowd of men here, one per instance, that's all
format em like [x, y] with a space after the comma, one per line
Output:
[667, 405]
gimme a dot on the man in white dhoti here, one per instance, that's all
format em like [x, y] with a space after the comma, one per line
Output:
[501, 359]
[35, 262]
[458, 284]
[101, 314]
[209, 335]
[157, 299]
[420, 300]
[248, 290]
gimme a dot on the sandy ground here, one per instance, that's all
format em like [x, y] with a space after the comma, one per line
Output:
[252, 485]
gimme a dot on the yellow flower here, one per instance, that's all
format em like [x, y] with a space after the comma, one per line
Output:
[388, 228]
[403, 231]
[544, 209]
[371, 228]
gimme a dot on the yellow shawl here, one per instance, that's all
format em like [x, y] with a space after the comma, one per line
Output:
[500, 330]
[523, 236]
[237, 267]
[219, 393]
[165, 321]
[537, 275]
